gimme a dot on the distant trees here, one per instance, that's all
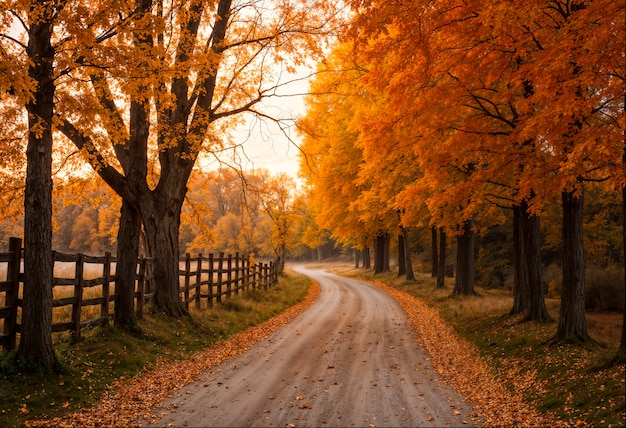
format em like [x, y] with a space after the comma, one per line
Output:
[487, 109]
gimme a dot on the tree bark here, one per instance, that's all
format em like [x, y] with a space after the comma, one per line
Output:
[622, 345]
[356, 258]
[367, 260]
[379, 253]
[435, 257]
[35, 350]
[126, 268]
[401, 262]
[408, 265]
[387, 252]
[572, 323]
[441, 269]
[465, 267]
[528, 293]
[161, 224]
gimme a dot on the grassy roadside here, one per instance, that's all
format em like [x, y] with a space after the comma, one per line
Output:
[105, 355]
[579, 383]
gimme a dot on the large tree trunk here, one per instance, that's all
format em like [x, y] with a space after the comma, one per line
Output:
[435, 257]
[528, 293]
[35, 349]
[161, 224]
[408, 265]
[465, 267]
[126, 268]
[572, 322]
[441, 268]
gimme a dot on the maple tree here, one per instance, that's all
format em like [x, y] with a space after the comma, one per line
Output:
[481, 81]
[330, 159]
[190, 66]
[37, 93]
[277, 200]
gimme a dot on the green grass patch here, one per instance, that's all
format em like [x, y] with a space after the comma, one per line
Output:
[579, 382]
[104, 355]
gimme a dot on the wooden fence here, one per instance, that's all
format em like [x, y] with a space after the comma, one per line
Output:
[86, 298]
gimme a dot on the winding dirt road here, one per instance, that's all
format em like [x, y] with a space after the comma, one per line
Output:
[350, 360]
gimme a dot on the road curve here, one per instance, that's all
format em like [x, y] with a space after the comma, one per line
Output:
[351, 359]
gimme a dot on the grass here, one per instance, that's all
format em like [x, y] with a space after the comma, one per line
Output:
[579, 382]
[104, 355]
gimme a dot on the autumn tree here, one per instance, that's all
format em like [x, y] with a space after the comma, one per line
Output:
[581, 125]
[191, 66]
[276, 197]
[35, 347]
[330, 158]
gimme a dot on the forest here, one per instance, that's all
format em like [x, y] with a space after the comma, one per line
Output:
[480, 142]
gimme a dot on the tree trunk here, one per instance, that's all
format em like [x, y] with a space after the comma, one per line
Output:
[528, 293]
[356, 258]
[35, 349]
[572, 323]
[622, 345]
[126, 268]
[441, 269]
[465, 268]
[401, 262]
[387, 245]
[379, 253]
[435, 258]
[367, 260]
[408, 266]
[161, 223]
[279, 258]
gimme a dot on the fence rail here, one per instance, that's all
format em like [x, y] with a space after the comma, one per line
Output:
[85, 297]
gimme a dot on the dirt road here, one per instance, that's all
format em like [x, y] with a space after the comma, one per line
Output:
[350, 360]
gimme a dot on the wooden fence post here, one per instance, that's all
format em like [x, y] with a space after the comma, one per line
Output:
[265, 270]
[254, 276]
[237, 285]
[198, 280]
[210, 296]
[78, 295]
[106, 289]
[229, 275]
[13, 273]
[245, 271]
[141, 287]
[187, 272]
[220, 266]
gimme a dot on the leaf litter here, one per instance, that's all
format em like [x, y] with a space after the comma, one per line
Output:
[128, 402]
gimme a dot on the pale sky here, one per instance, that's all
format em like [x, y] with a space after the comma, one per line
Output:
[270, 145]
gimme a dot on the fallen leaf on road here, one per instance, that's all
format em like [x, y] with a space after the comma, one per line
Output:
[129, 401]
